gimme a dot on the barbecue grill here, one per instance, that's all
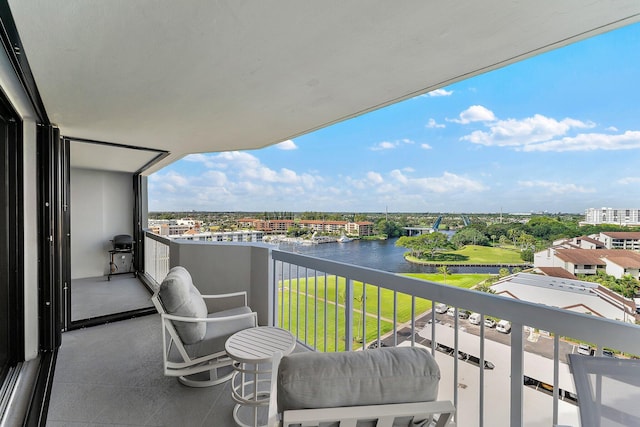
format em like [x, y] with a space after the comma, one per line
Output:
[122, 245]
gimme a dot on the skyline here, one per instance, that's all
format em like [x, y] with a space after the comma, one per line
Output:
[558, 132]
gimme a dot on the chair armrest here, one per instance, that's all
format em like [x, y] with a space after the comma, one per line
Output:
[253, 315]
[273, 419]
[212, 301]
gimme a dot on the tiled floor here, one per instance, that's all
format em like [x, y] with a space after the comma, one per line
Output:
[112, 375]
[96, 296]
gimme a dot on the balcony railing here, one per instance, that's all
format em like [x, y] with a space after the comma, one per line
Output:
[156, 256]
[332, 306]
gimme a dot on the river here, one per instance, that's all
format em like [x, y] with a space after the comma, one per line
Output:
[379, 254]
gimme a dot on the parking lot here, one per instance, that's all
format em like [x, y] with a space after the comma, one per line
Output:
[534, 342]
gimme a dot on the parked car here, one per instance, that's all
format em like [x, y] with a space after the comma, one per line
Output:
[463, 314]
[503, 326]
[441, 308]
[475, 318]
[375, 345]
[489, 322]
[585, 349]
[607, 353]
[451, 311]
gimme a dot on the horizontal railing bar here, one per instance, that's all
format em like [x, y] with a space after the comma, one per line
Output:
[157, 238]
[607, 332]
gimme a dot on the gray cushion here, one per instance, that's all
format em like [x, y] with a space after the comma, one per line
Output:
[371, 377]
[218, 332]
[180, 297]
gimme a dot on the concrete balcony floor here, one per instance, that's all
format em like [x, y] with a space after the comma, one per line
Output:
[112, 375]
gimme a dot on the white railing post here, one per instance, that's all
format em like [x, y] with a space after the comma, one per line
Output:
[517, 375]
[348, 315]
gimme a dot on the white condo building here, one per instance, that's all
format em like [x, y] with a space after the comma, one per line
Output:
[616, 216]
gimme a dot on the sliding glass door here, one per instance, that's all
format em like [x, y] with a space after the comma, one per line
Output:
[11, 242]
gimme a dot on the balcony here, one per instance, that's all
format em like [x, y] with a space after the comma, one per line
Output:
[112, 373]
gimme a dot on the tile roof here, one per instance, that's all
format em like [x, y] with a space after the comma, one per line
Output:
[556, 272]
[626, 235]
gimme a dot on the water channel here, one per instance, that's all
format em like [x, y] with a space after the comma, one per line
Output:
[379, 254]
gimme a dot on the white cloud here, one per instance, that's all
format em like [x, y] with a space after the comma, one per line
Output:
[287, 145]
[554, 187]
[438, 92]
[388, 145]
[522, 133]
[475, 113]
[384, 145]
[612, 129]
[629, 180]
[432, 124]
[425, 146]
[375, 178]
[442, 184]
[629, 140]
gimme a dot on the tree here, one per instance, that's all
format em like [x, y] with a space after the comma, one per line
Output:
[503, 272]
[527, 255]
[430, 243]
[503, 240]
[444, 270]
[469, 236]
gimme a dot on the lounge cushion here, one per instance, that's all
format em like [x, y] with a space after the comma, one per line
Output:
[180, 297]
[371, 377]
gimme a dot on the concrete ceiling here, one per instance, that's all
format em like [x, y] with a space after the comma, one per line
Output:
[207, 75]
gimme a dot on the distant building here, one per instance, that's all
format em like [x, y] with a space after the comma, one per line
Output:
[595, 216]
[567, 294]
[322, 226]
[616, 262]
[222, 236]
[276, 226]
[621, 240]
[361, 228]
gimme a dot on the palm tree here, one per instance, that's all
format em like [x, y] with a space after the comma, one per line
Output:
[444, 270]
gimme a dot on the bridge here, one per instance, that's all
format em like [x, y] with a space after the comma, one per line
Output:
[417, 231]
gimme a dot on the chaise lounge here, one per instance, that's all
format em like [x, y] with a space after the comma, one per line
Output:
[387, 387]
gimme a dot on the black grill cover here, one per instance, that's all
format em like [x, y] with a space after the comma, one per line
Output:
[122, 242]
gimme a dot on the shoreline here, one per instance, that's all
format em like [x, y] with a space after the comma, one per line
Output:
[464, 264]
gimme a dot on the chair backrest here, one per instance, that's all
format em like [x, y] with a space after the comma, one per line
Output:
[179, 296]
[608, 390]
[372, 377]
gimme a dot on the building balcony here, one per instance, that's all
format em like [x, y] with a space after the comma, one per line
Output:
[331, 306]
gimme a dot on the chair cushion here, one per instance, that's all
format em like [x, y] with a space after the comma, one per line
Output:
[372, 377]
[180, 297]
[218, 332]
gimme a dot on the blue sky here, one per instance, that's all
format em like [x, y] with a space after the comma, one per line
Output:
[559, 132]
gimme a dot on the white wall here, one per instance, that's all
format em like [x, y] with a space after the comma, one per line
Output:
[101, 207]
[218, 268]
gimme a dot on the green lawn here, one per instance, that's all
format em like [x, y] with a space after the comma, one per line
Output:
[472, 254]
[458, 280]
[307, 320]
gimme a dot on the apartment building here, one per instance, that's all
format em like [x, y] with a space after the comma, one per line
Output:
[624, 216]
[362, 228]
[621, 240]
[576, 261]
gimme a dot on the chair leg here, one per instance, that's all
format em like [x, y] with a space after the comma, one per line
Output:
[208, 378]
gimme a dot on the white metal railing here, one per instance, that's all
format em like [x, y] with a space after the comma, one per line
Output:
[324, 303]
[156, 256]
